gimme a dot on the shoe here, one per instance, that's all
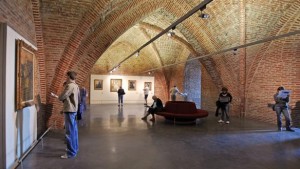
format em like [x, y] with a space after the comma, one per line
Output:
[152, 119]
[289, 129]
[227, 122]
[144, 118]
[279, 129]
[221, 121]
[65, 156]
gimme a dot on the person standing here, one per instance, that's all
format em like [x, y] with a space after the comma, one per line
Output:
[224, 99]
[281, 106]
[121, 93]
[70, 99]
[157, 106]
[146, 93]
[173, 91]
[83, 96]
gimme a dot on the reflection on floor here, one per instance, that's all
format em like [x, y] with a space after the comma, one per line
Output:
[115, 138]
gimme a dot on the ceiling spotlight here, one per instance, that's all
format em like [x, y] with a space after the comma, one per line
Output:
[171, 32]
[111, 72]
[204, 15]
[234, 51]
[137, 54]
[114, 69]
[149, 73]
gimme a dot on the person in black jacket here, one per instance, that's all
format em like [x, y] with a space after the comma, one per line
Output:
[224, 98]
[157, 106]
[121, 93]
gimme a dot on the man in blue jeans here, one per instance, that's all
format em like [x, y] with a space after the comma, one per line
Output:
[281, 106]
[70, 97]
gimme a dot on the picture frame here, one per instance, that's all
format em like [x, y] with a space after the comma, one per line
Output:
[131, 85]
[98, 84]
[25, 75]
[115, 84]
[149, 84]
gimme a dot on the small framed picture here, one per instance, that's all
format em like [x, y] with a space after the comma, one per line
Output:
[148, 84]
[98, 84]
[132, 85]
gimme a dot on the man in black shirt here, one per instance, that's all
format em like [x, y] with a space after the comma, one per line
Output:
[157, 106]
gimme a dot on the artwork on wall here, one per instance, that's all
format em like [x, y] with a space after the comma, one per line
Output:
[98, 84]
[149, 84]
[132, 85]
[115, 84]
[25, 75]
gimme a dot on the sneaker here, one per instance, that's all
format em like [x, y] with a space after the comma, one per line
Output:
[221, 121]
[227, 122]
[144, 118]
[289, 129]
[65, 156]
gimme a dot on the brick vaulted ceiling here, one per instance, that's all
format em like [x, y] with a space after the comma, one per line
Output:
[92, 36]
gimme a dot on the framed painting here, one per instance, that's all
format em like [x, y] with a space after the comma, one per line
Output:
[25, 75]
[115, 84]
[132, 85]
[98, 84]
[149, 84]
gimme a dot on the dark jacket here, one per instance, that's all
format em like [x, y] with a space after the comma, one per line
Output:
[159, 104]
[121, 92]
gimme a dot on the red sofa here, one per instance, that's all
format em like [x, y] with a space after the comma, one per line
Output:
[182, 111]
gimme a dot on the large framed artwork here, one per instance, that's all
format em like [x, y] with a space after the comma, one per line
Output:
[149, 84]
[24, 75]
[132, 85]
[98, 84]
[115, 84]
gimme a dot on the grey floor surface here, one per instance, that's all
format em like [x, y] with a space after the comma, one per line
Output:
[113, 138]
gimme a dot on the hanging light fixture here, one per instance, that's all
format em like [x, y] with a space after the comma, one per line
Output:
[137, 54]
[202, 14]
[171, 32]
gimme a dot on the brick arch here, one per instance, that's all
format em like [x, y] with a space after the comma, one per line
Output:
[83, 51]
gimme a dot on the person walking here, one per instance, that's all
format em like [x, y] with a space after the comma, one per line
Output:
[281, 106]
[224, 99]
[70, 99]
[157, 106]
[121, 93]
[146, 93]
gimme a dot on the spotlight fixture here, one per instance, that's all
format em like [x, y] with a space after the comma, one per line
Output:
[137, 54]
[171, 32]
[202, 14]
[149, 73]
[234, 51]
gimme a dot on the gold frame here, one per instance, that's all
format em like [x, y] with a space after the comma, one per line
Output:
[115, 84]
[98, 84]
[25, 75]
[133, 83]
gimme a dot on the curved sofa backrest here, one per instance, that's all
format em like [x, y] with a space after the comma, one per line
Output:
[180, 107]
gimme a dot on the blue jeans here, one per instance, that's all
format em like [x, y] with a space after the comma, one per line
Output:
[120, 99]
[225, 111]
[71, 133]
[286, 113]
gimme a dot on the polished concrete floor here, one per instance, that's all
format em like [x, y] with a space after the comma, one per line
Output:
[112, 138]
